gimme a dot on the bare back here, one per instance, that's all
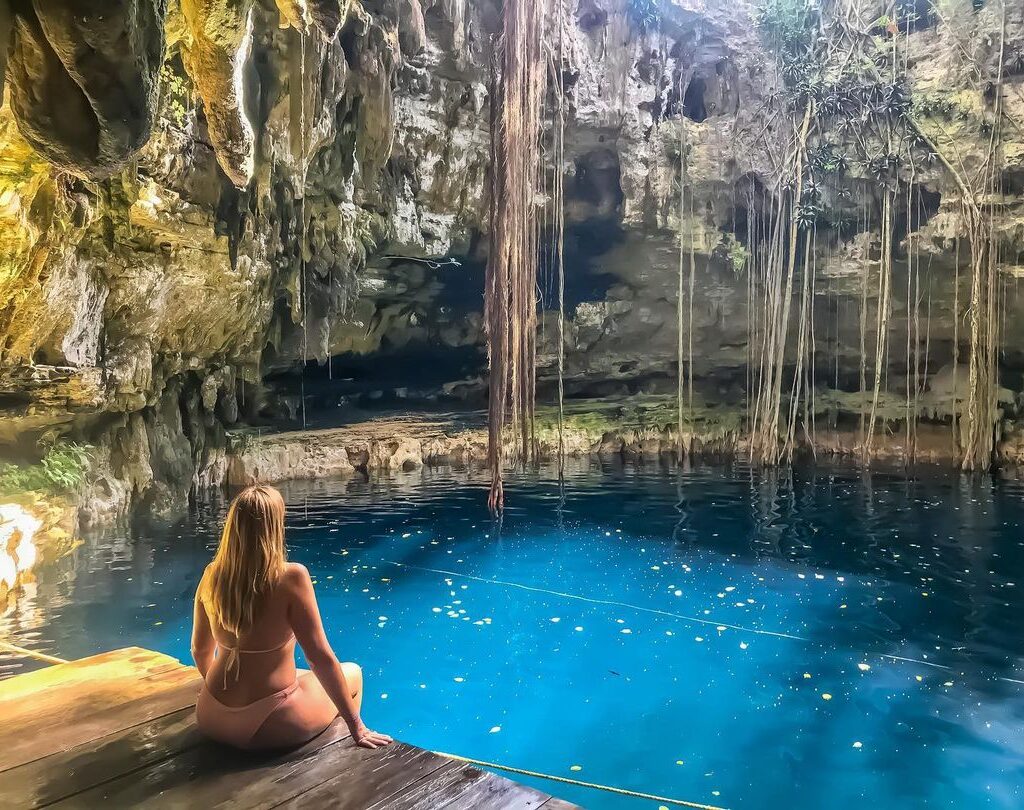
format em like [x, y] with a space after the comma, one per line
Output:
[266, 652]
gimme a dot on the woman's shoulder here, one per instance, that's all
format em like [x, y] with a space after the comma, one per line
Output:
[296, 575]
[202, 587]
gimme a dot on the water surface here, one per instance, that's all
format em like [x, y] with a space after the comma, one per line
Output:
[806, 639]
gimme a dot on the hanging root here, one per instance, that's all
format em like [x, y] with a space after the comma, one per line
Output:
[511, 279]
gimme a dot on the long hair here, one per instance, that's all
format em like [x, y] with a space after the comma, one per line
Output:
[249, 560]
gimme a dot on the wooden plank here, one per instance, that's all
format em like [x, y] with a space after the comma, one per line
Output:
[114, 666]
[87, 701]
[433, 790]
[376, 776]
[118, 729]
[68, 773]
[212, 775]
[79, 688]
[496, 793]
[172, 691]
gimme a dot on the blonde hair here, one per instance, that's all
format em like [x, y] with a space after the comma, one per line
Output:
[249, 560]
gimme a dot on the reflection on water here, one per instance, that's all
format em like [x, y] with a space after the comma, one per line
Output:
[748, 638]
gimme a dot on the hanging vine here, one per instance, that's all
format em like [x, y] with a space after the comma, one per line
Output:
[558, 209]
[510, 313]
[845, 105]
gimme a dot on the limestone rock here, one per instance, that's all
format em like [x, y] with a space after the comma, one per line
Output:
[83, 79]
[215, 57]
[281, 461]
[293, 182]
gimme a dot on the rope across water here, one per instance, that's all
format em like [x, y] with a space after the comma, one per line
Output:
[636, 794]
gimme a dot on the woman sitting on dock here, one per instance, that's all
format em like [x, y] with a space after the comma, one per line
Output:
[251, 606]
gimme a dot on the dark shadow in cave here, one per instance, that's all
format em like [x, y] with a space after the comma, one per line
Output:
[392, 378]
[693, 100]
[584, 243]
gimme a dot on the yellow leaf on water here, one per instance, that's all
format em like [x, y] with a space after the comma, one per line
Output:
[576, 768]
[826, 696]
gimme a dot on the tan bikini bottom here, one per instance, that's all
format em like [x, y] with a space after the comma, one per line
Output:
[237, 725]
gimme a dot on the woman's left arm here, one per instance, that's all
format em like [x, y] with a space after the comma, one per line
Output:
[204, 645]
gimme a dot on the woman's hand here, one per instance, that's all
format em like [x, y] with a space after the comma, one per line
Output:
[370, 739]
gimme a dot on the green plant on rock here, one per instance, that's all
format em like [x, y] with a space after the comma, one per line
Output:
[788, 28]
[62, 469]
[176, 95]
[735, 253]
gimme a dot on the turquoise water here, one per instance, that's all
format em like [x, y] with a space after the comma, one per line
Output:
[734, 637]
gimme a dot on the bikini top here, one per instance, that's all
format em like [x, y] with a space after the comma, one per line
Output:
[234, 656]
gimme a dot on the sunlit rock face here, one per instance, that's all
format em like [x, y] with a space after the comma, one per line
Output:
[34, 530]
[138, 313]
[18, 529]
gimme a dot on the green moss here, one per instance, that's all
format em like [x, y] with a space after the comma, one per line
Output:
[639, 417]
[950, 105]
[62, 469]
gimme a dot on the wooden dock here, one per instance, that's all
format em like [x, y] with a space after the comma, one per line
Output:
[117, 730]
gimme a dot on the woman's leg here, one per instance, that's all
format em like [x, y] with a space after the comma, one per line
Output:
[354, 679]
[306, 712]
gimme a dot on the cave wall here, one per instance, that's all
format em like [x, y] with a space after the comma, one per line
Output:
[625, 227]
[147, 285]
[157, 264]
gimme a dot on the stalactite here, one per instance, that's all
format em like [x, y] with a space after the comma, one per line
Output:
[300, 146]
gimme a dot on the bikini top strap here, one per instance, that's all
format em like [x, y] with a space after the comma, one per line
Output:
[281, 646]
[234, 660]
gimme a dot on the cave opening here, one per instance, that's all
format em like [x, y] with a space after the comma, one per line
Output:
[694, 106]
[916, 15]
